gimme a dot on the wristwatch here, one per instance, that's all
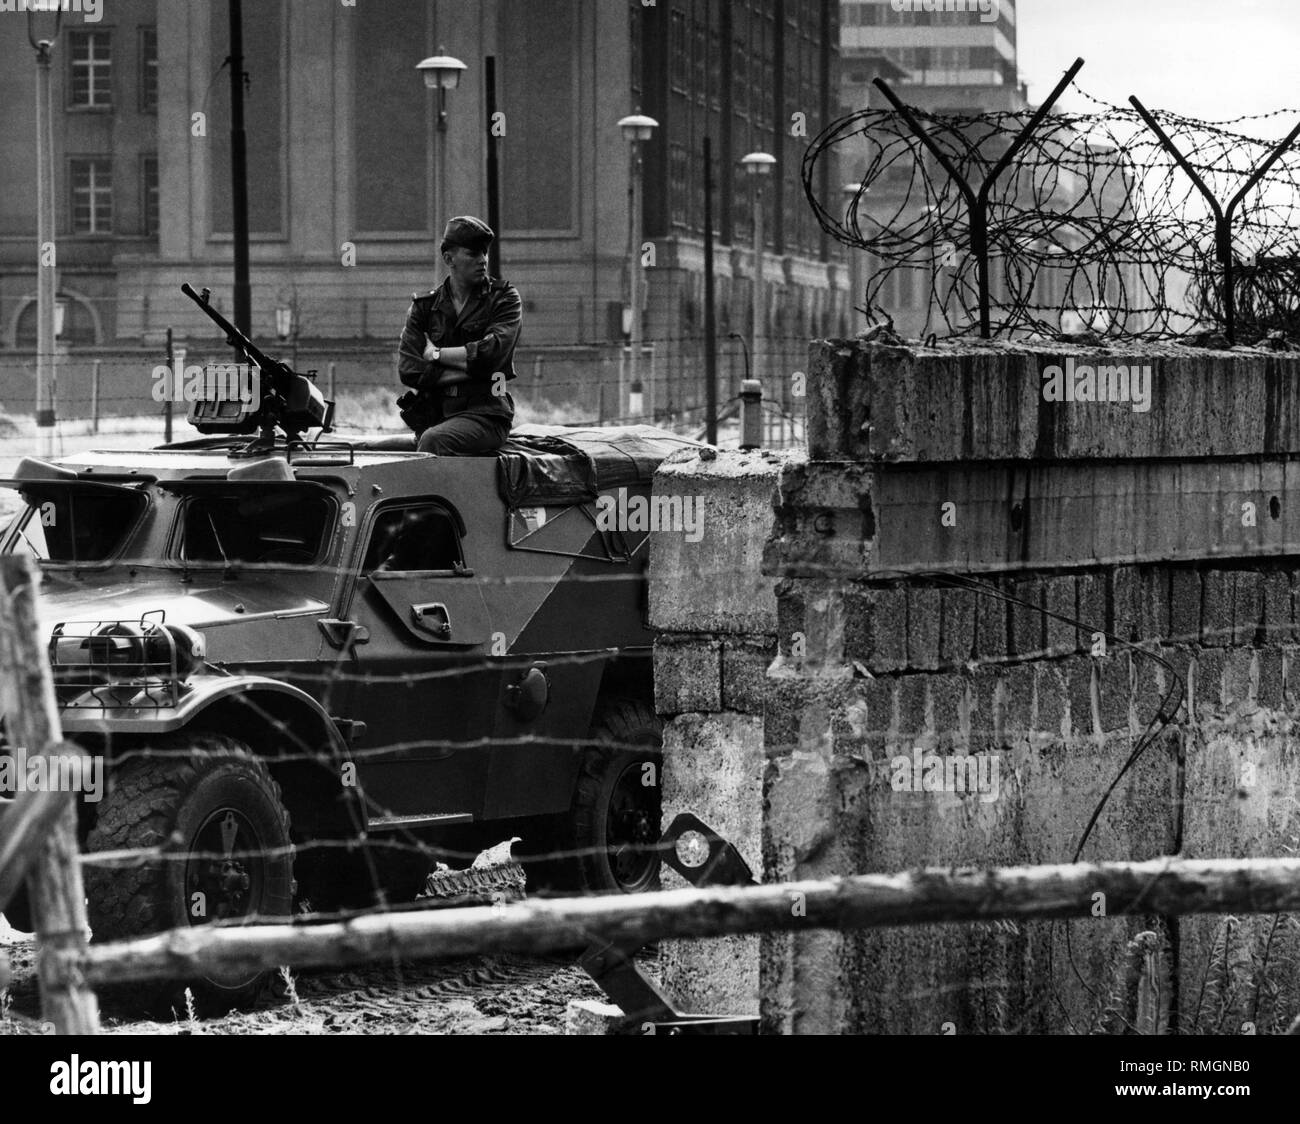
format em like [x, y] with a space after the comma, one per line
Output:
[437, 352]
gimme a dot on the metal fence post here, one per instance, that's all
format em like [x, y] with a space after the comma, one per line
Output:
[977, 202]
[1222, 215]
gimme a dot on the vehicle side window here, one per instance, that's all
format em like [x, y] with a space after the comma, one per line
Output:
[413, 538]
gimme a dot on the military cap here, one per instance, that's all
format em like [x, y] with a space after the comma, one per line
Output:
[467, 231]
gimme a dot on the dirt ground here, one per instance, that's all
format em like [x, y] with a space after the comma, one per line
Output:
[483, 995]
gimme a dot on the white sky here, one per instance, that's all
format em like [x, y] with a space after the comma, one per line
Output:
[1212, 59]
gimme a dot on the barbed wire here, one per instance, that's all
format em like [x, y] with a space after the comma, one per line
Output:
[1095, 228]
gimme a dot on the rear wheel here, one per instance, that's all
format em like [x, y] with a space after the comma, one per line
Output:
[213, 814]
[614, 825]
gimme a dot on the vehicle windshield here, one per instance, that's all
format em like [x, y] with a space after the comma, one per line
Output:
[275, 527]
[69, 525]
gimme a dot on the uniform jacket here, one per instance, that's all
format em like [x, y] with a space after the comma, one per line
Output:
[487, 327]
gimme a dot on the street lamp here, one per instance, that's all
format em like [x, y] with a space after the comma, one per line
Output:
[852, 193]
[442, 73]
[637, 129]
[758, 166]
[286, 327]
[46, 270]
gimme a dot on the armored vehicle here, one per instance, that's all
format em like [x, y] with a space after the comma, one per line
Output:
[300, 659]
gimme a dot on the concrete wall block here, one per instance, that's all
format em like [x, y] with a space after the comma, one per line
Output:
[687, 674]
[875, 627]
[1051, 690]
[1210, 664]
[1153, 604]
[987, 706]
[1216, 607]
[1092, 598]
[1114, 686]
[1271, 692]
[990, 626]
[1079, 691]
[1121, 596]
[713, 767]
[733, 494]
[825, 519]
[1028, 624]
[1018, 693]
[1278, 623]
[949, 712]
[1291, 676]
[913, 728]
[1060, 596]
[1240, 679]
[744, 673]
[811, 620]
[924, 616]
[957, 630]
[1184, 606]
[1247, 606]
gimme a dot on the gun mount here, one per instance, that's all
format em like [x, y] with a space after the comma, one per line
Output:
[283, 399]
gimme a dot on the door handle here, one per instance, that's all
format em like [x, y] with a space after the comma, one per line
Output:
[340, 634]
[433, 617]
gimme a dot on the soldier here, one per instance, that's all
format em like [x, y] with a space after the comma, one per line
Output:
[457, 351]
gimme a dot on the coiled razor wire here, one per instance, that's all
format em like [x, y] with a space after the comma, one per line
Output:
[1118, 222]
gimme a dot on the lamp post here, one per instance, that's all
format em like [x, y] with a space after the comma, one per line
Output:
[637, 128]
[46, 259]
[442, 73]
[852, 193]
[758, 166]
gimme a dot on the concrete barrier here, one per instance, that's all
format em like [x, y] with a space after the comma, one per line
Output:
[940, 594]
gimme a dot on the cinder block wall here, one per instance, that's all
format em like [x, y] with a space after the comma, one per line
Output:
[1170, 528]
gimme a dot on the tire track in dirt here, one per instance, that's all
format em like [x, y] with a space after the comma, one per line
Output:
[480, 995]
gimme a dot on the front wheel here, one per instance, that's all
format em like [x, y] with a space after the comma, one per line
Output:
[614, 825]
[212, 815]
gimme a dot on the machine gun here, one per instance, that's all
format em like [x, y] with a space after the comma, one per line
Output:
[283, 399]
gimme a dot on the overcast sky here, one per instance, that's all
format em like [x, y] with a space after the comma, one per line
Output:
[1212, 59]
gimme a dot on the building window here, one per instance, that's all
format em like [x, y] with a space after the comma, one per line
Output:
[148, 70]
[90, 64]
[699, 62]
[678, 184]
[92, 195]
[149, 193]
[679, 51]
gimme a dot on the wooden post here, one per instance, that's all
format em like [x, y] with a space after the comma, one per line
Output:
[1169, 886]
[31, 712]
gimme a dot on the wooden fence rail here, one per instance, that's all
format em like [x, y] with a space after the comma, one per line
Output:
[1160, 886]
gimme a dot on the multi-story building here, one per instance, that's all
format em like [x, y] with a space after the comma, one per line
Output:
[344, 184]
[958, 59]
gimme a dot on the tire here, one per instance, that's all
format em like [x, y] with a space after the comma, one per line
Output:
[615, 820]
[207, 796]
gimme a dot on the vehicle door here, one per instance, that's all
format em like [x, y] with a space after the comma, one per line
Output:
[422, 679]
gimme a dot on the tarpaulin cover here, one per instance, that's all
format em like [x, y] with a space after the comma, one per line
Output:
[557, 464]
